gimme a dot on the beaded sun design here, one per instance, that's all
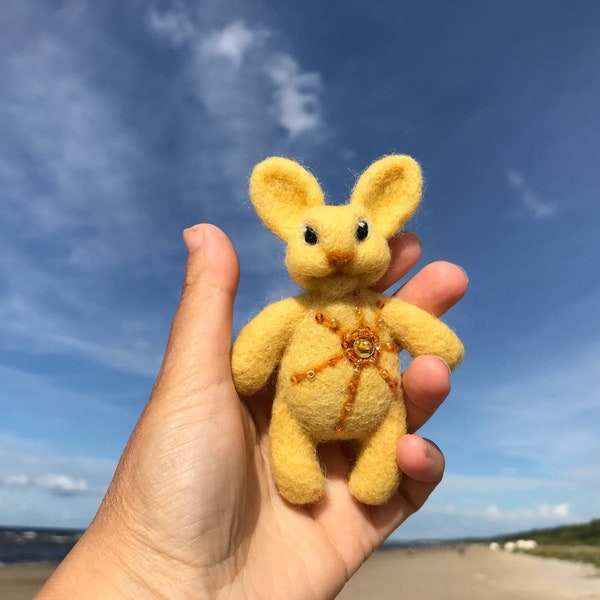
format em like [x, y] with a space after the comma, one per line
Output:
[361, 347]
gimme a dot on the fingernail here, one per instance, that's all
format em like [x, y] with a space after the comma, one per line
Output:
[445, 364]
[430, 448]
[193, 237]
[427, 449]
[466, 276]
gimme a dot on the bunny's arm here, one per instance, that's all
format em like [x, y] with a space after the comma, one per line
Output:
[422, 333]
[260, 345]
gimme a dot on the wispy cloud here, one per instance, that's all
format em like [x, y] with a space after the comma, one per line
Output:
[438, 521]
[174, 26]
[69, 174]
[528, 516]
[271, 88]
[537, 429]
[558, 512]
[40, 487]
[297, 104]
[550, 400]
[532, 205]
[492, 485]
[232, 43]
[493, 518]
[58, 484]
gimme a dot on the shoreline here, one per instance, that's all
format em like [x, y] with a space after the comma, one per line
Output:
[424, 573]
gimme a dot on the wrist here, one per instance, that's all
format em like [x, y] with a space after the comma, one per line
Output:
[100, 567]
[114, 560]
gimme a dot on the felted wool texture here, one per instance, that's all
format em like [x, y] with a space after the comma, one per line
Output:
[293, 455]
[325, 390]
[375, 477]
[260, 345]
[281, 190]
[391, 189]
[421, 333]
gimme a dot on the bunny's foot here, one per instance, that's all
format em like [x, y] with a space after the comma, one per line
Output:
[294, 462]
[376, 477]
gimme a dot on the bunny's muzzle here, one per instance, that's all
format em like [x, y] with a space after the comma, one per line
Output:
[339, 258]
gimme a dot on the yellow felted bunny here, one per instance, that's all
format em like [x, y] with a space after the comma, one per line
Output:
[336, 345]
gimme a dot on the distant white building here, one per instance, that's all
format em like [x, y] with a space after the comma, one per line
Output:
[526, 544]
[518, 545]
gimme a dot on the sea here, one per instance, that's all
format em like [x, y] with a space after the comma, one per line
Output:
[32, 545]
[46, 545]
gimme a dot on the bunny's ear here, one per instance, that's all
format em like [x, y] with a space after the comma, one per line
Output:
[281, 191]
[390, 191]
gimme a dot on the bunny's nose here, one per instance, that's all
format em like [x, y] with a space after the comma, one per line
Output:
[339, 258]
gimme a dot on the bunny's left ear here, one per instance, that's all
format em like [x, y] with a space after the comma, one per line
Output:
[390, 191]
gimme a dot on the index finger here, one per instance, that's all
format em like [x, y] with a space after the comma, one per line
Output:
[436, 288]
[405, 248]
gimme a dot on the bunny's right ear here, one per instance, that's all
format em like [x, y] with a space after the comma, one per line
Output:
[390, 191]
[281, 191]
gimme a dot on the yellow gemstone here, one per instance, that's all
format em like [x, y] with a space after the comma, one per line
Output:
[363, 347]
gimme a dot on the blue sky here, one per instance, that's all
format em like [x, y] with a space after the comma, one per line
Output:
[121, 123]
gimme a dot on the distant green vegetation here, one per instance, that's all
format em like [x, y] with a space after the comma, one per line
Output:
[582, 554]
[587, 534]
[577, 543]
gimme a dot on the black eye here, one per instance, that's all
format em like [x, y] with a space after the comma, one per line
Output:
[310, 235]
[362, 230]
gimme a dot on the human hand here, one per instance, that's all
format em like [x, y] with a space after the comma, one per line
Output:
[193, 511]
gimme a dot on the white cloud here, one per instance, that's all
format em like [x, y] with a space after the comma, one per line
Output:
[546, 414]
[53, 483]
[532, 205]
[232, 42]
[82, 154]
[27, 464]
[62, 484]
[16, 480]
[496, 484]
[41, 488]
[297, 96]
[527, 516]
[241, 98]
[175, 26]
[443, 521]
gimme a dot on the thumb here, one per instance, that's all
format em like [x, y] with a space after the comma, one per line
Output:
[197, 354]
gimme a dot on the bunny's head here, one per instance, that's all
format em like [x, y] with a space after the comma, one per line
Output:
[332, 250]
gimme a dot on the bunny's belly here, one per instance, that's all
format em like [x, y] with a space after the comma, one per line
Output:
[328, 408]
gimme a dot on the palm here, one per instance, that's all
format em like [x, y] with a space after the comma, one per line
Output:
[291, 550]
[319, 545]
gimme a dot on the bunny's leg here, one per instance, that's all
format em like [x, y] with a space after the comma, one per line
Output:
[375, 477]
[294, 462]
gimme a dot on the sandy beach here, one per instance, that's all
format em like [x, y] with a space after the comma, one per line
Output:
[21, 582]
[476, 572]
[424, 574]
